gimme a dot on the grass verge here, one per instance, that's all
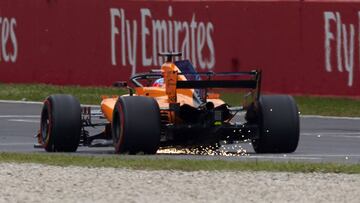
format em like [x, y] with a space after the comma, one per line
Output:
[327, 106]
[315, 105]
[38, 92]
[150, 163]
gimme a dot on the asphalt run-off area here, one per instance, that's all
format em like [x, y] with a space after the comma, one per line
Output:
[322, 139]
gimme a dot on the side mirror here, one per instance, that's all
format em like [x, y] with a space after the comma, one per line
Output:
[120, 84]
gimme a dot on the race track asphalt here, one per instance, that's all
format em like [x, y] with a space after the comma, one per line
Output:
[322, 139]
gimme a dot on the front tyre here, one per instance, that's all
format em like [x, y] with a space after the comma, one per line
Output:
[60, 126]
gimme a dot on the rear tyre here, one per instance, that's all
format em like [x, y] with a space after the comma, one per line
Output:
[60, 126]
[278, 120]
[136, 125]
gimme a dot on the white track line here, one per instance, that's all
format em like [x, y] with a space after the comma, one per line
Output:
[281, 157]
[19, 116]
[305, 156]
[333, 134]
[19, 102]
[33, 102]
[330, 117]
[302, 116]
[16, 143]
[326, 155]
[24, 120]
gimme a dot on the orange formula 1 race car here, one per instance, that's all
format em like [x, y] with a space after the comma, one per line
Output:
[172, 107]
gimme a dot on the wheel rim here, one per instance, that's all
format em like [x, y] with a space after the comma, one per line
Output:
[45, 126]
[118, 129]
[44, 129]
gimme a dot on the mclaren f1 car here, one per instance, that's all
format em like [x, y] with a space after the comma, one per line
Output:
[173, 107]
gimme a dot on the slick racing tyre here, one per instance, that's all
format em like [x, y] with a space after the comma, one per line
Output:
[60, 126]
[136, 125]
[278, 120]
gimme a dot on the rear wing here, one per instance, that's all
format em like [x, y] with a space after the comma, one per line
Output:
[252, 82]
[203, 84]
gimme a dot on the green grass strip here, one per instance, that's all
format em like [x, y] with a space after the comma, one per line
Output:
[161, 163]
[38, 92]
[314, 105]
[326, 106]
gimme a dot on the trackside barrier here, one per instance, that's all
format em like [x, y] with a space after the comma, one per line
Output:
[303, 47]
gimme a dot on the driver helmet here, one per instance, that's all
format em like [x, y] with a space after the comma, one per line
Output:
[158, 83]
